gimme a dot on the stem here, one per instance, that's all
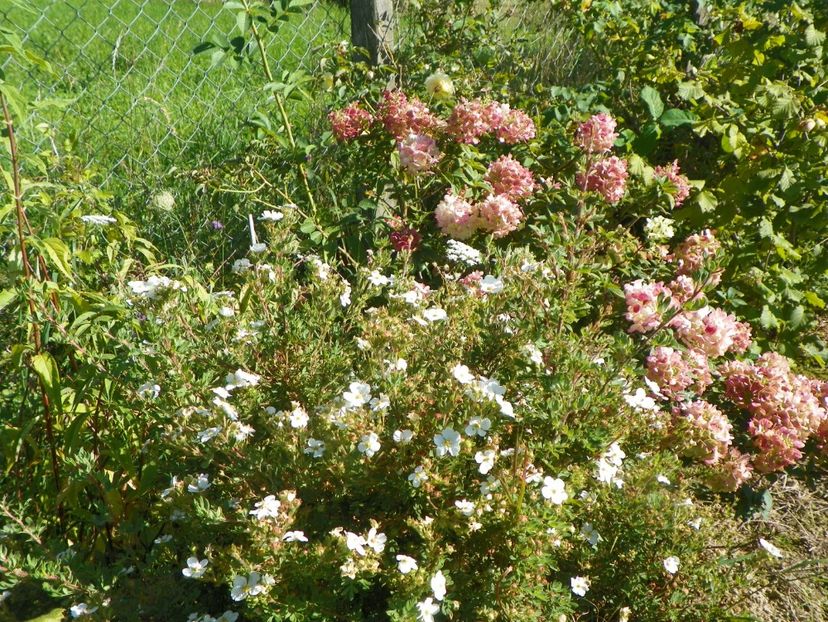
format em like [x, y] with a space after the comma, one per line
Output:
[30, 276]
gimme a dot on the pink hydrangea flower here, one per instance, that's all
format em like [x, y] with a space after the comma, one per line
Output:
[596, 135]
[778, 446]
[350, 122]
[498, 215]
[508, 177]
[469, 121]
[607, 176]
[693, 253]
[418, 153]
[456, 217]
[675, 371]
[710, 330]
[701, 431]
[401, 116]
[684, 289]
[680, 183]
[643, 305]
[731, 472]
[516, 127]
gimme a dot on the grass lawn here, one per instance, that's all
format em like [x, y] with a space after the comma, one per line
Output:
[141, 102]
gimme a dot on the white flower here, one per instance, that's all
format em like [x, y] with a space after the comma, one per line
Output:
[770, 548]
[377, 279]
[267, 508]
[228, 616]
[491, 285]
[462, 374]
[358, 395]
[695, 523]
[439, 85]
[242, 432]
[376, 540]
[671, 564]
[478, 426]
[427, 609]
[435, 314]
[164, 200]
[590, 534]
[486, 460]
[535, 355]
[355, 542]
[315, 448]
[489, 486]
[406, 564]
[379, 403]
[466, 507]
[201, 483]
[438, 585]
[241, 265]
[149, 390]
[554, 490]
[271, 216]
[640, 400]
[240, 379]
[624, 614]
[400, 365]
[418, 477]
[661, 479]
[295, 536]
[252, 585]
[369, 444]
[462, 253]
[258, 247]
[579, 585]
[227, 311]
[81, 609]
[298, 417]
[362, 344]
[659, 228]
[345, 296]
[195, 569]
[403, 437]
[447, 442]
[97, 219]
[209, 434]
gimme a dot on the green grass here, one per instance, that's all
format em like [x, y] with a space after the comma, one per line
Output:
[141, 102]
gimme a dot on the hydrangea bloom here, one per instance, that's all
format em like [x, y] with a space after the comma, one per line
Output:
[514, 126]
[675, 371]
[730, 472]
[692, 254]
[468, 121]
[597, 134]
[350, 122]
[456, 217]
[643, 305]
[680, 183]
[607, 177]
[702, 431]
[508, 177]
[498, 215]
[712, 331]
[418, 153]
[401, 116]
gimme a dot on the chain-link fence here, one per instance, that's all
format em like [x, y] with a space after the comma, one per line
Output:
[128, 95]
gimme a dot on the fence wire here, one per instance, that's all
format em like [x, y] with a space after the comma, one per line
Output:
[130, 97]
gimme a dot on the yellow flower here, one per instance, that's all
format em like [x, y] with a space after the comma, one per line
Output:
[439, 85]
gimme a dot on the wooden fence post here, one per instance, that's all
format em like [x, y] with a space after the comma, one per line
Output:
[372, 27]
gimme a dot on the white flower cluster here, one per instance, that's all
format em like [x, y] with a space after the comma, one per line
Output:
[458, 252]
[481, 388]
[608, 465]
[154, 287]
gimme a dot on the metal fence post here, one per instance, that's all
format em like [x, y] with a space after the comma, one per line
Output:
[372, 27]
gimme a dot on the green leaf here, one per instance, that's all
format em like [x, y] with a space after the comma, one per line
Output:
[675, 117]
[768, 320]
[6, 298]
[690, 91]
[707, 201]
[46, 369]
[815, 300]
[59, 255]
[814, 37]
[653, 101]
[797, 315]
[765, 228]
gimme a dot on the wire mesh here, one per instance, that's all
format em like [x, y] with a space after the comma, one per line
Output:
[131, 99]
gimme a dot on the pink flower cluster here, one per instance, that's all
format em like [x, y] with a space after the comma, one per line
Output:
[712, 331]
[680, 183]
[498, 215]
[701, 431]
[786, 408]
[471, 119]
[402, 116]
[731, 471]
[596, 135]
[607, 177]
[350, 122]
[511, 179]
[675, 371]
[456, 217]
[418, 153]
[646, 303]
[459, 219]
[695, 251]
[405, 239]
